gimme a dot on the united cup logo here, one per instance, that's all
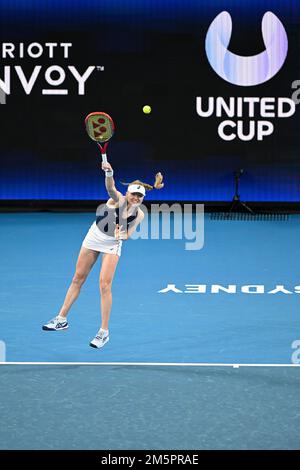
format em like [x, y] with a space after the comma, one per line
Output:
[246, 117]
[246, 71]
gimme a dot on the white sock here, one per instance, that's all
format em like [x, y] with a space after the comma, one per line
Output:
[61, 319]
[104, 331]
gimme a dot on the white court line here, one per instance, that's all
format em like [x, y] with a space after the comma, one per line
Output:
[145, 364]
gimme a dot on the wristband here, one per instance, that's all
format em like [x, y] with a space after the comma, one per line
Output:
[109, 173]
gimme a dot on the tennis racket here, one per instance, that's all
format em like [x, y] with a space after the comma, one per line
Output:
[100, 127]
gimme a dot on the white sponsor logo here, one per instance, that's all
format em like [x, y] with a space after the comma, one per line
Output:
[54, 76]
[229, 289]
[245, 107]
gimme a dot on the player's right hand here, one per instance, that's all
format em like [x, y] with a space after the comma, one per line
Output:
[106, 166]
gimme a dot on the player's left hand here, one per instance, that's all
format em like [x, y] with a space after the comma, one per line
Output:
[119, 233]
[158, 181]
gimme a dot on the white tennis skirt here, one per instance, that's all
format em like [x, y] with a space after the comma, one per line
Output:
[98, 241]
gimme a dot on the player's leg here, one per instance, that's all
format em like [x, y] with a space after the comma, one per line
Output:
[109, 264]
[85, 262]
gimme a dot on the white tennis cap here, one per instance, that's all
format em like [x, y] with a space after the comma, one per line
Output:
[136, 188]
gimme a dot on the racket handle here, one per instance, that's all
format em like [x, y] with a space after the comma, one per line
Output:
[104, 160]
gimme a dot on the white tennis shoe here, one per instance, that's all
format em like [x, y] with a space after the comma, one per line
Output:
[56, 324]
[101, 338]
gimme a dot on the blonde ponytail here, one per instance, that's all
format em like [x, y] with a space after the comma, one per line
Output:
[158, 184]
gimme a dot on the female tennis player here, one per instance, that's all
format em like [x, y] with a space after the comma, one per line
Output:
[115, 222]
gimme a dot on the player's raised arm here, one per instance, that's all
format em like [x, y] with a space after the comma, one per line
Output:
[110, 182]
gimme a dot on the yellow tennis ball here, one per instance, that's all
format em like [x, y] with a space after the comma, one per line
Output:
[147, 109]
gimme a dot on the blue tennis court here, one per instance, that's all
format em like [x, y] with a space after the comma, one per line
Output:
[106, 407]
[169, 103]
[255, 324]
[235, 301]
